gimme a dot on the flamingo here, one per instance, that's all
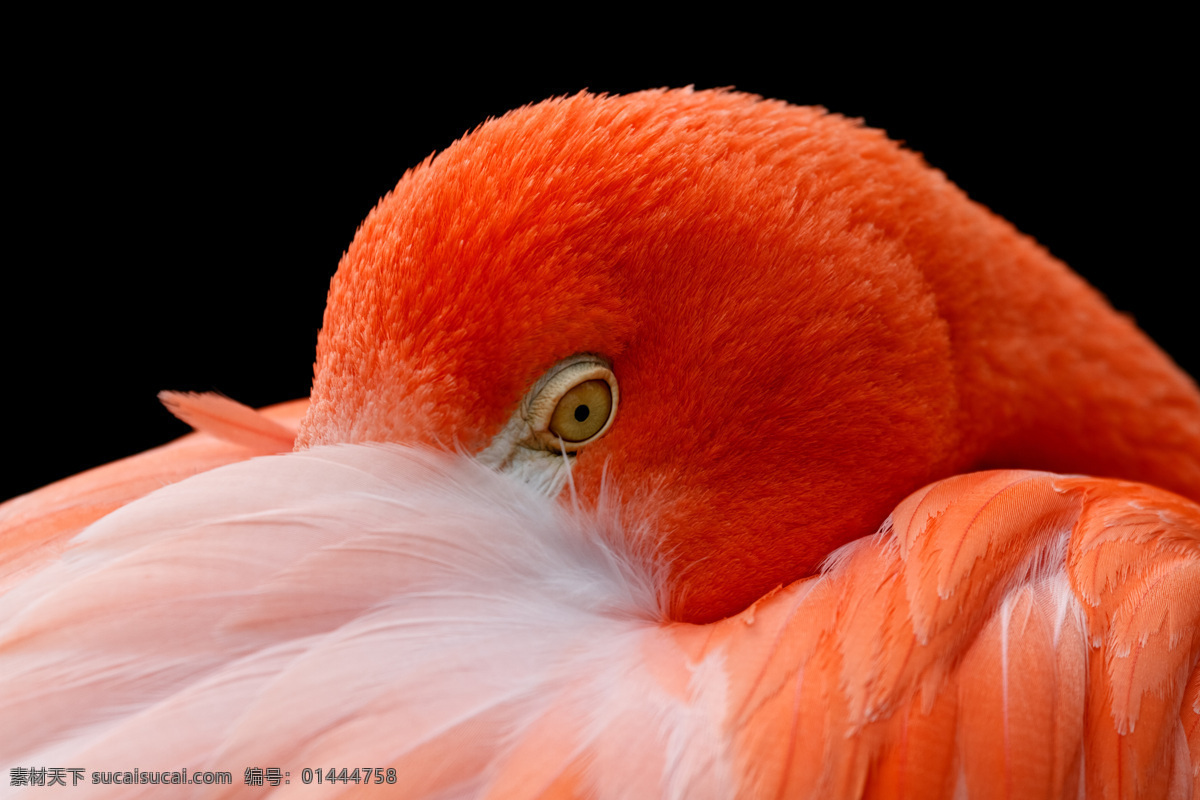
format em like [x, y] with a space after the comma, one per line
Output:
[675, 444]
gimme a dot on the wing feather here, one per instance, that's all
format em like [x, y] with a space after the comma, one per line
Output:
[1011, 634]
[1005, 635]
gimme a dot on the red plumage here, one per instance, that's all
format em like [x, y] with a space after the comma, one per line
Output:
[807, 325]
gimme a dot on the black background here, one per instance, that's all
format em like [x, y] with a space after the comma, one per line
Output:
[174, 221]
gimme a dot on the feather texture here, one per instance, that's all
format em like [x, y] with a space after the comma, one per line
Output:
[230, 421]
[483, 640]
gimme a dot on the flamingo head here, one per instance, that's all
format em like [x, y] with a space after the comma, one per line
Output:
[705, 305]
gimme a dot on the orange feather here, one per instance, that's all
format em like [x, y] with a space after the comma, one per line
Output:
[743, 588]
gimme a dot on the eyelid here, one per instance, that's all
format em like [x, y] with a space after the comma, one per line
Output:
[549, 390]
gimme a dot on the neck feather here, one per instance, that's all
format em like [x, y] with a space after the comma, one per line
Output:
[1051, 377]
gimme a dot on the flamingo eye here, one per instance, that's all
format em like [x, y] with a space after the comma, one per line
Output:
[574, 404]
[582, 412]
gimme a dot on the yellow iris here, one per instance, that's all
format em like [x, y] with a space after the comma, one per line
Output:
[582, 411]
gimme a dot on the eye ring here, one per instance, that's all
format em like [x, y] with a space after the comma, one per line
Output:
[586, 383]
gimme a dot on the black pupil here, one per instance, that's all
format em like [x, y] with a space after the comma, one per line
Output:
[581, 413]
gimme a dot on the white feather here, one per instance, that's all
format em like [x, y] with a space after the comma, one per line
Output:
[353, 606]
